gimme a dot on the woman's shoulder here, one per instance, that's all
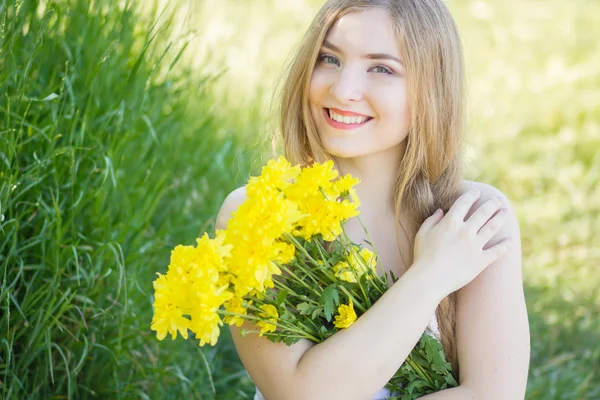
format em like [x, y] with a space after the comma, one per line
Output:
[231, 203]
[487, 191]
[511, 228]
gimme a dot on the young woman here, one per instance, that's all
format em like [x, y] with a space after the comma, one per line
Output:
[377, 86]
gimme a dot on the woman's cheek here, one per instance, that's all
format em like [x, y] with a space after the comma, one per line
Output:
[317, 84]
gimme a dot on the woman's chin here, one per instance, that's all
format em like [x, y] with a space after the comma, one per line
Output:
[345, 153]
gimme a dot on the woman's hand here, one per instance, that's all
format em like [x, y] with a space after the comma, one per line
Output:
[450, 250]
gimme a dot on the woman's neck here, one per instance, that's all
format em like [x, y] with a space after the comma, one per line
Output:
[377, 174]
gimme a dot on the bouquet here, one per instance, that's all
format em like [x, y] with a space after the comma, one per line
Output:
[286, 263]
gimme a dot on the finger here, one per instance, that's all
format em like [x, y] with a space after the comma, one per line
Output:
[493, 226]
[430, 222]
[496, 252]
[483, 214]
[462, 205]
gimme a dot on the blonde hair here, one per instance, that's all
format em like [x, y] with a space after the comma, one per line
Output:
[430, 174]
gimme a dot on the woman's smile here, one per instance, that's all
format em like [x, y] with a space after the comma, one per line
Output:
[340, 121]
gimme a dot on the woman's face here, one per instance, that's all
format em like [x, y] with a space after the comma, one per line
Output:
[357, 93]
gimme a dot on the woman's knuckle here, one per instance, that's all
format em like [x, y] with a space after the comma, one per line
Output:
[499, 222]
[485, 230]
[465, 233]
[453, 222]
[490, 206]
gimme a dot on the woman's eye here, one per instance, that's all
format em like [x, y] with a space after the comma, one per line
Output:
[328, 59]
[382, 69]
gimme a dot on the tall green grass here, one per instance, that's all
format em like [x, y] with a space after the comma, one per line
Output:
[110, 155]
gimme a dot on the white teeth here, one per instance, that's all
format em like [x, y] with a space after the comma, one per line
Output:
[346, 119]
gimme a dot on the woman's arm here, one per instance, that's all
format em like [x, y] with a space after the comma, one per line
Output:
[492, 327]
[457, 393]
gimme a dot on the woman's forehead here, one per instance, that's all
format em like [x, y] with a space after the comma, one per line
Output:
[364, 31]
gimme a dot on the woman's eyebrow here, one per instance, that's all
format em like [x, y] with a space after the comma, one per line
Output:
[373, 56]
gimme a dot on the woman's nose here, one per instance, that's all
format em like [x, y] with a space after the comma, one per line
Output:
[347, 87]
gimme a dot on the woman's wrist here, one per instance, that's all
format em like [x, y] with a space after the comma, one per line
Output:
[427, 284]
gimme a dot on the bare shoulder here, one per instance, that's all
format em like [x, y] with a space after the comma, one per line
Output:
[487, 191]
[231, 203]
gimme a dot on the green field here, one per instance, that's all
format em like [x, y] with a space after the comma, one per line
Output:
[123, 125]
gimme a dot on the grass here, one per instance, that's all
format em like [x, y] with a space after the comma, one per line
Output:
[109, 158]
[123, 126]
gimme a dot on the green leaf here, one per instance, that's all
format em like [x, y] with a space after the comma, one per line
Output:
[281, 296]
[317, 313]
[287, 316]
[290, 340]
[330, 298]
[303, 308]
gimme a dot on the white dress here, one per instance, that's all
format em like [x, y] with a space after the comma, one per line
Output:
[383, 393]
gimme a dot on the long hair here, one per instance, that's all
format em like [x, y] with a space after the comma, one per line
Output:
[430, 173]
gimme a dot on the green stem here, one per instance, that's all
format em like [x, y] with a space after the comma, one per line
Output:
[367, 300]
[327, 271]
[308, 273]
[293, 293]
[291, 328]
[310, 288]
[300, 247]
[419, 370]
[376, 279]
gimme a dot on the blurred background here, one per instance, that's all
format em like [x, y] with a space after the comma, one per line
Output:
[123, 126]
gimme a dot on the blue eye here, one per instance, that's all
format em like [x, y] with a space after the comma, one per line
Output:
[382, 69]
[328, 59]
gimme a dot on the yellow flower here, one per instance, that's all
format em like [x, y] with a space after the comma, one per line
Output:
[322, 217]
[235, 305]
[363, 262]
[264, 216]
[167, 318]
[271, 315]
[310, 180]
[286, 252]
[278, 173]
[343, 271]
[183, 260]
[343, 187]
[205, 325]
[196, 285]
[356, 265]
[346, 316]
[252, 266]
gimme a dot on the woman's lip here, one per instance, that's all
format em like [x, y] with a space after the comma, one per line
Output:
[348, 113]
[341, 125]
